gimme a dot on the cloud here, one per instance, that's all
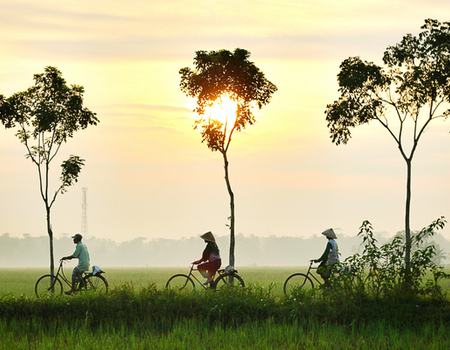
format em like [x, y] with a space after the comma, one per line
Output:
[162, 30]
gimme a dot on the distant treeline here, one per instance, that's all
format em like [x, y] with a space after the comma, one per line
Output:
[140, 252]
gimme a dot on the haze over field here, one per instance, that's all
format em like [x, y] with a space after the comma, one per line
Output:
[140, 252]
[147, 172]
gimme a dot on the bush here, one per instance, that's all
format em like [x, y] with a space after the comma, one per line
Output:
[157, 310]
[379, 272]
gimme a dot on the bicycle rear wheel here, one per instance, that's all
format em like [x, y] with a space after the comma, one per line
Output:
[48, 286]
[95, 283]
[297, 282]
[180, 282]
[224, 281]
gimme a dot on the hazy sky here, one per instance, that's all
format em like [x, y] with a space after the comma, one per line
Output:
[147, 172]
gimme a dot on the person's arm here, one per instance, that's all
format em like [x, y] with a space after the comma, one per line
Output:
[205, 255]
[324, 256]
[75, 254]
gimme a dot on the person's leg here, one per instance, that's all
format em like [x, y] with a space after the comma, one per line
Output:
[202, 268]
[327, 274]
[213, 267]
[205, 269]
[76, 278]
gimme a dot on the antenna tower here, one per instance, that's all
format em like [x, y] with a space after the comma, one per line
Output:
[83, 213]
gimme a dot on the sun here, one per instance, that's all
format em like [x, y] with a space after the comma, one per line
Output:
[224, 111]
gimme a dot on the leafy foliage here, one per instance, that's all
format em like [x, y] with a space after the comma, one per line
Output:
[70, 171]
[380, 272]
[224, 73]
[47, 115]
[417, 74]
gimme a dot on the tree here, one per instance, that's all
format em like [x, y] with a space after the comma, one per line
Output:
[221, 75]
[413, 90]
[47, 114]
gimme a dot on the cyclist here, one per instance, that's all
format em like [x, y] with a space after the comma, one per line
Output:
[81, 253]
[210, 258]
[330, 256]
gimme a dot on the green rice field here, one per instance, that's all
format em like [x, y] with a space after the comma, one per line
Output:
[21, 281]
[139, 313]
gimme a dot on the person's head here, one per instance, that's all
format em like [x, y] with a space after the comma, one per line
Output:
[77, 238]
[329, 234]
[208, 237]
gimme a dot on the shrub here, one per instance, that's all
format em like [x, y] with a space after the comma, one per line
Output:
[379, 272]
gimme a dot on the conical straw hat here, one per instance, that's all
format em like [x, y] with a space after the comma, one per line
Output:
[208, 236]
[329, 233]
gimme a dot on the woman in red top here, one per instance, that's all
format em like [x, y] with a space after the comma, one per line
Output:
[210, 261]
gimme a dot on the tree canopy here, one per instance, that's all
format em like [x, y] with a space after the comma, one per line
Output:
[413, 88]
[417, 75]
[224, 73]
[47, 115]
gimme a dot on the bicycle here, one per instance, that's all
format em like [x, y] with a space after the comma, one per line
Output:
[298, 281]
[49, 285]
[186, 282]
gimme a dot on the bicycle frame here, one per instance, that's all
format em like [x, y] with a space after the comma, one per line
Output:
[49, 284]
[309, 273]
[193, 276]
[62, 276]
[220, 279]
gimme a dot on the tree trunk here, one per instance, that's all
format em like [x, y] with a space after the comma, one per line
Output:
[230, 192]
[407, 223]
[50, 236]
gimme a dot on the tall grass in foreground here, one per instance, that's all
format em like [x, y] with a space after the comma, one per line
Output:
[249, 318]
[157, 309]
[22, 335]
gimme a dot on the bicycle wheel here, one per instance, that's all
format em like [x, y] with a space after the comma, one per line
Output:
[95, 283]
[224, 281]
[296, 282]
[45, 288]
[180, 282]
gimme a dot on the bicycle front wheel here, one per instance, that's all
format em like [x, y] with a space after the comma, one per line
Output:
[180, 282]
[95, 283]
[229, 281]
[297, 282]
[48, 286]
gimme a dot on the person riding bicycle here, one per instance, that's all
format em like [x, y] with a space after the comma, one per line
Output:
[330, 256]
[81, 253]
[210, 258]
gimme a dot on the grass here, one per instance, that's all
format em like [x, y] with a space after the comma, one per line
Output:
[21, 281]
[200, 335]
[139, 313]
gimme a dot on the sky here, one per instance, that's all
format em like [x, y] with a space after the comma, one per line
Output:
[147, 173]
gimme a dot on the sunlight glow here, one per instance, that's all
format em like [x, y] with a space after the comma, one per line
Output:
[223, 111]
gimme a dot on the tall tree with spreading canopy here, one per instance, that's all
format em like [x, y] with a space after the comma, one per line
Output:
[46, 115]
[412, 90]
[221, 76]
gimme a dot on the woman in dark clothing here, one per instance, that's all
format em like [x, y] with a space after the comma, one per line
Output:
[210, 261]
[330, 256]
